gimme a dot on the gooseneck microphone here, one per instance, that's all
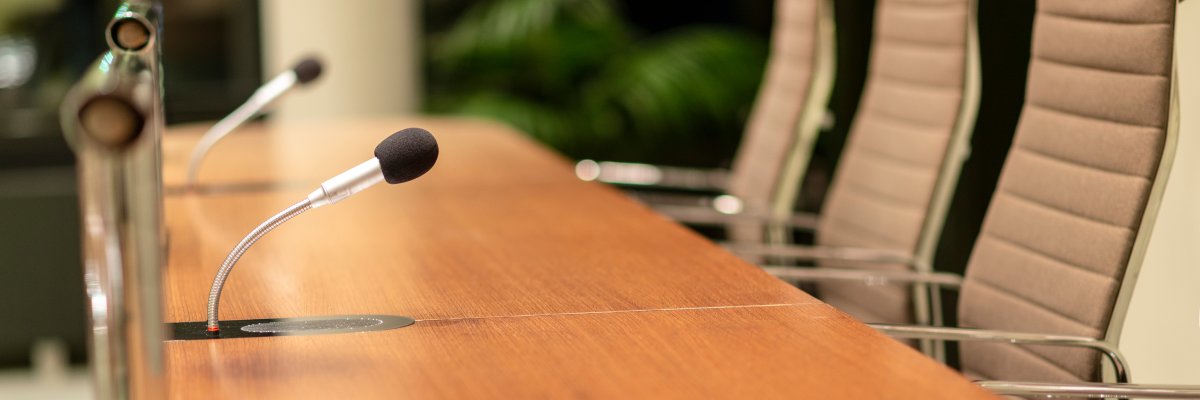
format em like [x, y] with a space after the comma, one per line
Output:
[305, 71]
[402, 157]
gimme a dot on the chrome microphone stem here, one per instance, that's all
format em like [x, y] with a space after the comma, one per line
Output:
[262, 98]
[345, 184]
[214, 294]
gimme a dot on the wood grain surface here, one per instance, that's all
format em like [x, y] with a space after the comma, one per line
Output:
[432, 252]
[786, 352]
[526, 283]
[298, 154]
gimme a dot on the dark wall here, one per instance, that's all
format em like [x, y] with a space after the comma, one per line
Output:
[663, 15]
[1004, 37]
[1005, 28]
[212, 59]
[211, 56]
[852, 20]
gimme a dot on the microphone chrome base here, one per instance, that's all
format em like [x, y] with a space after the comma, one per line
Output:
[267, 327]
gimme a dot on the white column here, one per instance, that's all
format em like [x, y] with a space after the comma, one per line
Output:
[1161, 335]
[370, 48]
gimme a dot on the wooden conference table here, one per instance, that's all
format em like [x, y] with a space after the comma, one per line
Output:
[525, 283]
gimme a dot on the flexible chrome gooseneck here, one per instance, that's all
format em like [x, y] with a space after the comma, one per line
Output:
[214, 294]
[402, 157]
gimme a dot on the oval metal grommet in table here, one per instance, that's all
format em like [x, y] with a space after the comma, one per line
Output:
[304, 326]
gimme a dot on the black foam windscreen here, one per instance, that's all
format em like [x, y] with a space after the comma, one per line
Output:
[406, 155]
[307, 70]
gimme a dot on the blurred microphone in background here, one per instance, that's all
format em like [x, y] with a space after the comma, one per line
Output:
[304, 72]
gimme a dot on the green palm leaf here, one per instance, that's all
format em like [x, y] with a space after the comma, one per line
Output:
[698, 82]
[568, 73]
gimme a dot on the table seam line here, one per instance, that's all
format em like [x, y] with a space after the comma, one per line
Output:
[642, 310]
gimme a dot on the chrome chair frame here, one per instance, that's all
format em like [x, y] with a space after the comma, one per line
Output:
[711, 214]
[1122, 388]
[1120, 366]
[1092, 390]
[711, 210]
[649, 175]
[926, 299]
[942, 280]
[938, 280]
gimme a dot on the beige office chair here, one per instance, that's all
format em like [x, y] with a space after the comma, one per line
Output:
[893, 185]
[1059, 253]
[778, 140]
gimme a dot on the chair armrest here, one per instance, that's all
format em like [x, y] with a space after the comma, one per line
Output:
[634, 174]
[1120, 366]
[819, 253]
[719, 211]
[1092, 390]
[870, 277]
[658, 200]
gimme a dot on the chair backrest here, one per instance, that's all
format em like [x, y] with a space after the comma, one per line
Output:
[785, 120]
[901, 161]
[1067, 224]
